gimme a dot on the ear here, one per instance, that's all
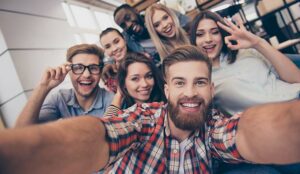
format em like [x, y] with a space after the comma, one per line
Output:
[166, 89]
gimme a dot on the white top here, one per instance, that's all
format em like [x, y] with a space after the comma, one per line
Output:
[182, 146]
[249, 81]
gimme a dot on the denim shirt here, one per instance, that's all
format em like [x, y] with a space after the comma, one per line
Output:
[63, 104]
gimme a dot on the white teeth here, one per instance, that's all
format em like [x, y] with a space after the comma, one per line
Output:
[134, 27]
[209, 46]
[190, 105]
[85, 83]
[168, 30]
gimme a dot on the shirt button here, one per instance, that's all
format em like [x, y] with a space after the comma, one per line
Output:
[175, 151]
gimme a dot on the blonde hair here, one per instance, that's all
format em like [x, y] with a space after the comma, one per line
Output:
[163, 45]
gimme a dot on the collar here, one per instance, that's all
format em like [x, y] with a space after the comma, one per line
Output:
[96, 104]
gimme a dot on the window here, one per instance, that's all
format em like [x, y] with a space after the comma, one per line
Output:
[88, 21]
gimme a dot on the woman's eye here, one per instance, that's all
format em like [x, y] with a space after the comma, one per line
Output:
[165, 17]
[215, 32]
[199, 34]
[135, 79]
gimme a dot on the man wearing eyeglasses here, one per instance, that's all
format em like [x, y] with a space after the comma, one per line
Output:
[84, 65]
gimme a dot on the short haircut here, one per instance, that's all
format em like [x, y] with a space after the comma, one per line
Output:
[85, 49]
[124, 6]
[157, 93]
[108, 30]
[217, 18]
[184, 54]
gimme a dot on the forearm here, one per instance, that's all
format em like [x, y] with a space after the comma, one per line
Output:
[30, 113]
[286, 69]
[69, 146]
[270, 133]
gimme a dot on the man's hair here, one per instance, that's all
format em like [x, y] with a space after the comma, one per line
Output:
[124, 6]
[85, 49]
[184, 54]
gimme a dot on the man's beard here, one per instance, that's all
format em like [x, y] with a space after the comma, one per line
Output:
[188, 121]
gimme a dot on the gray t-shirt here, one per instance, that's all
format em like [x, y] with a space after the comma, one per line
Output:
[63, 104]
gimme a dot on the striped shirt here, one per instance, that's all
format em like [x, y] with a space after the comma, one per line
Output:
[140, 142]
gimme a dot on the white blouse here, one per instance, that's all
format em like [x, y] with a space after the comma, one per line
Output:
[249, 81]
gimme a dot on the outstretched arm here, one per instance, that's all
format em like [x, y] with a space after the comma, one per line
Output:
[286, 69]
[75, 145]
[270, 133]
[52, 77]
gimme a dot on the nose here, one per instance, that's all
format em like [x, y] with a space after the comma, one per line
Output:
[164, 24]
[86, 72]
[190, 91]
[114, 47]
[128, 24]
[144, 83]
[207, 38]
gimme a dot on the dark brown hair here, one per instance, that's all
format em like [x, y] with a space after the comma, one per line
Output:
[157, 93]
[217, 18]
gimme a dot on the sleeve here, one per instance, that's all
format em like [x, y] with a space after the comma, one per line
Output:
[127, 131]
[222, 139]
[49, 110]
[244, 53]
[111, 110]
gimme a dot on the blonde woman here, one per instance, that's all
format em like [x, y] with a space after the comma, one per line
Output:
[164, 29]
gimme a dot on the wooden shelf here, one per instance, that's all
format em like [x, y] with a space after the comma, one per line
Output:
[203, 5]
[142, 4]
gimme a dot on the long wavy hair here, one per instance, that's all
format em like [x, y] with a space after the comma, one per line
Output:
[162, 44]
[217, 18]
[157, 93]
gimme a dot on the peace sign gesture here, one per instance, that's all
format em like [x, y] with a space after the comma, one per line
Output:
[238, 33]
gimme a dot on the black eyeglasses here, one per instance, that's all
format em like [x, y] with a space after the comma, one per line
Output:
[79, 68]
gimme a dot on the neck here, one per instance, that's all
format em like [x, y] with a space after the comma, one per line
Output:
[86, 102]
[179, 134]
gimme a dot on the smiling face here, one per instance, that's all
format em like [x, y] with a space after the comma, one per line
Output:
[163, 24]
[114, 45]
[85, 84]
[189, 94]
[209, 39]
[139, 82]
[130, 22]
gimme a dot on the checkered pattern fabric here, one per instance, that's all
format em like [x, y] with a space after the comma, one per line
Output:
[140, 142]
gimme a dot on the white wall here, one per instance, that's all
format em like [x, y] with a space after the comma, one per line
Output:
[34, 34]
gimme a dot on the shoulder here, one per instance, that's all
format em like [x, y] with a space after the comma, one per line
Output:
[61, 95]
[249, 53]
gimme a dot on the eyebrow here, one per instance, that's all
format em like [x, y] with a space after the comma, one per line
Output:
[147, 73]
[209, 29]
[201, 78]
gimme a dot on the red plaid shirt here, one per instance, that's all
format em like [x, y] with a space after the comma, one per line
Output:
[140, 142]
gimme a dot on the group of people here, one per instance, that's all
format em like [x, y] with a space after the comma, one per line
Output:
[179, 95]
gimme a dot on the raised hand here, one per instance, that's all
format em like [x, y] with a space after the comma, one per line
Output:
[52, 77]
[109, 71]
[238, 33]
